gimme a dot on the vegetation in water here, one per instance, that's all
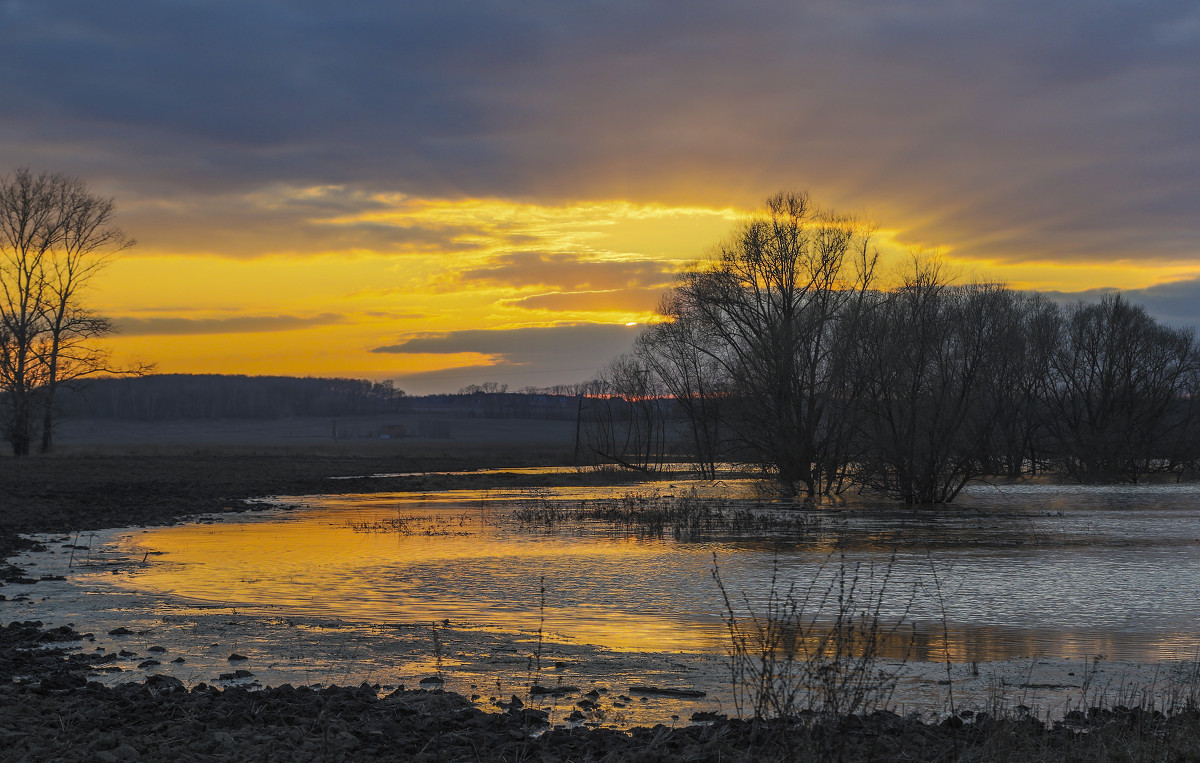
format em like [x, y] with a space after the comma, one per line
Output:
[684, 516]
[814, 669]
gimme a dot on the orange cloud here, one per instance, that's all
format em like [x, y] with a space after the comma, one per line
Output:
[640, 301]
[566, 271]
[132, 326]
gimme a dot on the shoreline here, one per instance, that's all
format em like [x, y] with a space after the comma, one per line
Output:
[51, 710]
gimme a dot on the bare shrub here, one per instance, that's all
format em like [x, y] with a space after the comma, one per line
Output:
[817, 650]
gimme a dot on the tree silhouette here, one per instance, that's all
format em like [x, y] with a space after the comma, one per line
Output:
[780, 351]
[54, 236]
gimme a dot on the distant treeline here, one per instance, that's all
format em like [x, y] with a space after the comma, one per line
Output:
[166, 397]
[174, 397]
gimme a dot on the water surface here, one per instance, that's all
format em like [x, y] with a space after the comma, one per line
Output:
[1015, 572]
[1032, 582]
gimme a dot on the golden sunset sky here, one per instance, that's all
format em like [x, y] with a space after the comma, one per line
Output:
[445, 194]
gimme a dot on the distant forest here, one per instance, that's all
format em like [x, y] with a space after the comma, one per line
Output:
[176, 397]
[166, 397]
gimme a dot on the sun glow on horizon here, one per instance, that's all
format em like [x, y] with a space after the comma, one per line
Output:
[313, 281]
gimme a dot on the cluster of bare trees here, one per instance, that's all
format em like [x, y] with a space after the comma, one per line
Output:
[624, 416]
[783, 351]
[54, 236]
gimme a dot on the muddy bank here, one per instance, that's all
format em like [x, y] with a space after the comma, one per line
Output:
[50, 708]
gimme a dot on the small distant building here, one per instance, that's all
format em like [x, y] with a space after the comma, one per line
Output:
[391, 432]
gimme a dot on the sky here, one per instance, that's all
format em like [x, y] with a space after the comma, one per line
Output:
[456, 192]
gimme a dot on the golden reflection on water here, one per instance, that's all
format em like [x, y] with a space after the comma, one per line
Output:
[318, 565]
[974, 643]
[965, 643]
[455, 556]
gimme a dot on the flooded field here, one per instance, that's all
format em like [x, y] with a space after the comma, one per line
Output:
[496, 590]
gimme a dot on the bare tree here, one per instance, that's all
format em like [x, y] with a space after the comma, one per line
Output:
[767, 311]
[1021, 436]
[930, 352]
[778, 351]
[1113, 391]
[54, 236]
[625, 422]
[1181, 444]
[676, 352]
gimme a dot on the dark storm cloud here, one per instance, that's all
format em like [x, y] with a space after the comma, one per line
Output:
[130, 326]
[568, 272]
[1002, 129]
[248, 91]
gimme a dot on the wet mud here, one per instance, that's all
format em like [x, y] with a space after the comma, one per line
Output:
[51, 710]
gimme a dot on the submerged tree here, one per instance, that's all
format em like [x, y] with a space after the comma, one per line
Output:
[1020, 438]
[780, 351]
[765, 317]
[54, 236]
[1117, 390]
[933, 357]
